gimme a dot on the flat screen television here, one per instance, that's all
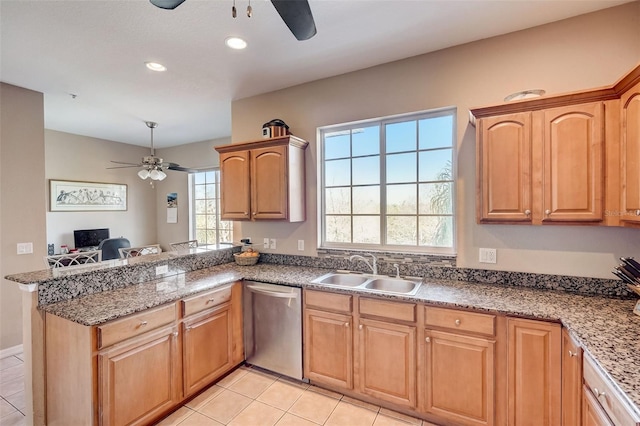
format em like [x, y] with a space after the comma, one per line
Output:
[89, 237]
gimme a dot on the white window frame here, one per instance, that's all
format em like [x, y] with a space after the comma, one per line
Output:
[192, 209]
[323, 244]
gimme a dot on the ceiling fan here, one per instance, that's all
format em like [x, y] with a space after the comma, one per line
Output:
[295, 13]
[153, 167]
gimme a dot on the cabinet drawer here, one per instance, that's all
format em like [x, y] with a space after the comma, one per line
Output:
[206, 300]
[387, 309]
[607, 397]
[119, 330]
[328, 301]
[453, 319]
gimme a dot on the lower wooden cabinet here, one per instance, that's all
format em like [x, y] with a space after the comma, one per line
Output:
[387, 367]
[206, 347]
[139, 380]
[135, 369]
[571, 380]
[592, 413]
[460, 375]
[534, 373]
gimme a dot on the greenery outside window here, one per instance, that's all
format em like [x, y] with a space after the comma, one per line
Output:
[206, 225]
[388, 184]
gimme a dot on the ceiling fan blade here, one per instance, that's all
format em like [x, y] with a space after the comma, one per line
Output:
[176, 167]
[123, 167]
[125, 162]
[166, 4]
[297, 15]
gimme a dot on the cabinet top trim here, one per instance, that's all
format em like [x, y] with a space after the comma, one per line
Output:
[583, 96]
[264, 143]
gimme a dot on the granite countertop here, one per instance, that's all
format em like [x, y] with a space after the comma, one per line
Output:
[605, 327]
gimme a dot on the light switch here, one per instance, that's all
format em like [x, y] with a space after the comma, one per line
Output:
[25, 248]
[301, 245]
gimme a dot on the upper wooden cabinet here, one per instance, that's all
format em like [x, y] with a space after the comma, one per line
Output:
[630, 156]
[565, 159]
[263, 180]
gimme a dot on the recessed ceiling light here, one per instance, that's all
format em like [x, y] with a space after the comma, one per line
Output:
[235, 43]
[525, 94]
[154, 66]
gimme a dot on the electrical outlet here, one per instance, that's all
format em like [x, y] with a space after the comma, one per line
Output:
[265, 243]
[488, 255]
[301, 245]
[272, 243]
[163, 269]
[25, 248]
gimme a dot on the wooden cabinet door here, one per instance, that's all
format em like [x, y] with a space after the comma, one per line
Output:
[504, 169]
[571, 380]
[573, 163]
[534, 373]
[460, 378]
[630, 156]
[269, 183]
[235, 188]
[206, 348]
[592, 413]
[328, 350]
[387, 361]
[138, 379]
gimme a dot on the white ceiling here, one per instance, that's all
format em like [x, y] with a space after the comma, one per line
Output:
[97, 49]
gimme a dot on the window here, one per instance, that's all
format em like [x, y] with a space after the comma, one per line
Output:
[388, 184]
[206, 225]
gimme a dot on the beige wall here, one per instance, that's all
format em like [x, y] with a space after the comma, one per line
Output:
[75, 157]
[198, 155]
[588, 51]
[22, 204]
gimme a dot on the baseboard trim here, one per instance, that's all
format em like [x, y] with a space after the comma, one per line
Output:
[14, 350]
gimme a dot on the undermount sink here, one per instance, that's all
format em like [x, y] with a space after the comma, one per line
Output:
[372, 283]
[392, 285]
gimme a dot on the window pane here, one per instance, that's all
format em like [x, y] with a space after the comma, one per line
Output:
[436, 231]
[198, 178]
[401, 136]
[211, 190]
[436, 165]
[436, 132]
[436, 198]
[338, 200]
[366, 170]
[226, 236]
[338, 229]
[201, 221]
[366, 229]
[199, 192]
[211, 207]
[337, 172]
[336, 145]
[210, 177]
[201, 236]
[402, 230]
[401, 199]
[211, 221]
[211, 236]
[401, 168]
[201, 207]
[366, 200]
[366, 141]
[226, 224]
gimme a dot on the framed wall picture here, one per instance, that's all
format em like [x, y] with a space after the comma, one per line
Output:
[76, 196]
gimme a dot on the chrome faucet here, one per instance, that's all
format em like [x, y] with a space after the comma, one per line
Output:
[373, 265]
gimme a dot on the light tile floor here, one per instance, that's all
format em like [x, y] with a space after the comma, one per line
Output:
[246, 397]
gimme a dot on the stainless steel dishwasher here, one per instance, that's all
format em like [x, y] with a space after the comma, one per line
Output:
[273, 327]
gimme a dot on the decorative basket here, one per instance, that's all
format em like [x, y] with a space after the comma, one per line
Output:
[246, 260]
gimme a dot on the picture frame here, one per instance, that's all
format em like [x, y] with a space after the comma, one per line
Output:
[79, 196]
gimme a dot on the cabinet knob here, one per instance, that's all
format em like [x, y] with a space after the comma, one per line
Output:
[143, 323]
[427, 339]
[346, 324]
[246, 213]
[527, 212]
[254, 213]
[174, 334]
[457, 322]
[571, 353]
[360, 327]
[213, 299]
[547, 212]
[598, 393]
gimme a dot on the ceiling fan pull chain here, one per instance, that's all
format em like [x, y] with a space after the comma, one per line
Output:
[249, 10]
[233, 9]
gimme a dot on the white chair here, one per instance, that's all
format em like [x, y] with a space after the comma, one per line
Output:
[184, 245]
[73, 259]
[128, 252]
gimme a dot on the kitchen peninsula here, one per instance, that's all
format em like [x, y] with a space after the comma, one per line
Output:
[604, 327]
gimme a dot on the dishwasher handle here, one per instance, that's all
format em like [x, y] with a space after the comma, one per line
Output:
[270, 293]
